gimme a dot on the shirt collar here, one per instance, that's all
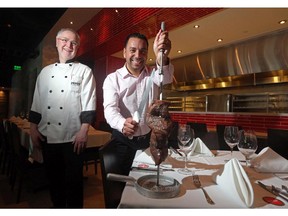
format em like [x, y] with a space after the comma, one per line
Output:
[125, 73]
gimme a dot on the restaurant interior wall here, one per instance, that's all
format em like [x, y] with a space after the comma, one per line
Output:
[107, 37]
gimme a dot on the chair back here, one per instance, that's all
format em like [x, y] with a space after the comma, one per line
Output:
[172, 139]
[277, 139]
[104, 126]
[200, 129]
[110, 164]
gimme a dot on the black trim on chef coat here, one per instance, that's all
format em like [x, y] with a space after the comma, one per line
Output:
[34, 117]
[88, 117]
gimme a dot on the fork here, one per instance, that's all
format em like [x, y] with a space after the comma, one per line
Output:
[197, 183]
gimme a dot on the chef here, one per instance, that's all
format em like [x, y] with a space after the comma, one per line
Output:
[63, 108]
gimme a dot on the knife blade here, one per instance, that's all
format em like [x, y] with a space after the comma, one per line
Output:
[273, 190]
[150, 169]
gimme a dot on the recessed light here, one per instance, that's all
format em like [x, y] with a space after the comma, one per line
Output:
[196, 26]
[71, 23]
[91, 29]
[282, 22]
[150, 59]
[219, 40]
[179, 51]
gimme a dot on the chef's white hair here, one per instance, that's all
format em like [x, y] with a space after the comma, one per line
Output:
[71, 30]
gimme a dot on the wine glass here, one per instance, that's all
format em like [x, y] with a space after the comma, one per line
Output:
[247, 144]
[185, 142]
[231, 136]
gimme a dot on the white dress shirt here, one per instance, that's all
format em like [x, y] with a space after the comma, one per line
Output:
[122, 95]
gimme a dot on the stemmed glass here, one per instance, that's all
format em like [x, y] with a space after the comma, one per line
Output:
[185, 142]
[231, 136]
[247, 144]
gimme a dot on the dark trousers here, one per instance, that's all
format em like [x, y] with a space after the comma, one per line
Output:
[126, 149]
[65, 174]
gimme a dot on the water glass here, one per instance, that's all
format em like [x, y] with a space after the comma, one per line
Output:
[231, 136]
[247, 144]
[186, 139]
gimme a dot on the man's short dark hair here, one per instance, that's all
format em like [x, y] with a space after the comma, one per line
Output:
[136, 35]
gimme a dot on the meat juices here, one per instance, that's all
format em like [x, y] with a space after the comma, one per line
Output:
[158, 119]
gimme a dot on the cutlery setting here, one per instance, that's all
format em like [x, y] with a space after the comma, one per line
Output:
[197, 183]
[275, 190]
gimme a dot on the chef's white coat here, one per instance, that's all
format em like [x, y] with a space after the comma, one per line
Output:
[62, 93]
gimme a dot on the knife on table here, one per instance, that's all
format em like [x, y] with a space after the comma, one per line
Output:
[150, 169]
[272, 189]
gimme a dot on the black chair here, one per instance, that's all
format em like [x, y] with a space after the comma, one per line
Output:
[104, 126]
[3, 147]
[200, 129]
[172, 139]
[220, 137]
[91, 156]
[22, 170]
[278, 140]
[110, 164]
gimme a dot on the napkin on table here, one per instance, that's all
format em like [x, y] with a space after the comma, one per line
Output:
[233, 180]
[200, 148]
[269, 161]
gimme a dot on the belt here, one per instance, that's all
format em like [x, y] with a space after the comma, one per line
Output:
[142, 137]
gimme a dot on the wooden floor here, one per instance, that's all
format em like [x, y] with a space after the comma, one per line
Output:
[93, 193]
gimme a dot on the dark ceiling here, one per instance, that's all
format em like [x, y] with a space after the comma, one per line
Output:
[21, 31]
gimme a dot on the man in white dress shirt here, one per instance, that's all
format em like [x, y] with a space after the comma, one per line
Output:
[63, 107]
[125, 88]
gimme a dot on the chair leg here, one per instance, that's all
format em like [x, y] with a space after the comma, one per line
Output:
[95, 167]
[21, 177]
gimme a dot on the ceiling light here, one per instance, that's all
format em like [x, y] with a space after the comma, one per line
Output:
[150, 59]
[91, 29]
[219, 40]
[196, 26]
[71, 23]
[282, 22]
[179, 51]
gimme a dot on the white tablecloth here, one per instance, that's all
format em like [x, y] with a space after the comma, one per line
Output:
[96, 138]
[192, 197]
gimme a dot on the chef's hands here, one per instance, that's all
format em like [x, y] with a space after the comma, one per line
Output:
[81, 138]
[36, 136]
[162, 44]
[130, 127]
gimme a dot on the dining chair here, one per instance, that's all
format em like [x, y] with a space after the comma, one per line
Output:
[277, 140]
[220, 137]
[172, 139]
[91, 155]
[200, 129]
[110, 164]
[22, 170]
[104, 126]
[3, 141]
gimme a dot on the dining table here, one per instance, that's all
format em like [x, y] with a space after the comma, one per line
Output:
[204, 167]
[96, 138]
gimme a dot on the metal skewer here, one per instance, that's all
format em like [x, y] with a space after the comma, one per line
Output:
[161, 65]
[161, 89]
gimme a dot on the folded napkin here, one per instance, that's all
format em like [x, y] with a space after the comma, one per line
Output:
[200, 148]
[233, 180]
[269, 161]
[144, 157]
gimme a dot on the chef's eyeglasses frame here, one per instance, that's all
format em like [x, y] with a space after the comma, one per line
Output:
[65, 41]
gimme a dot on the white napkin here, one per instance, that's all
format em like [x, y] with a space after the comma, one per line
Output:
[199, 147]
[145, 157]
[269, 161]
[233, 180]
